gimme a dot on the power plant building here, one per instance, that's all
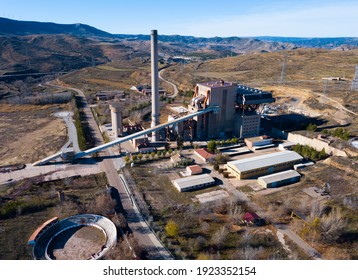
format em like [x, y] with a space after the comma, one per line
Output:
[238, 113]
[222, 94]
[263, 165]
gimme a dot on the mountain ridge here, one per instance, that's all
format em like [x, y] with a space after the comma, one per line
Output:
[22, 28]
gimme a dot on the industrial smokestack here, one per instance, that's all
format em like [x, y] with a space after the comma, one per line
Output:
[155, 83]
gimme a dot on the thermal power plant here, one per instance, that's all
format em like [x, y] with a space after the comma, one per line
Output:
[218, 109]
[239, 114]
[116, 116]
[155, 84]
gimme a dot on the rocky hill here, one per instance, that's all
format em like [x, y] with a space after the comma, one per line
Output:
[41, 47]
[16, 27]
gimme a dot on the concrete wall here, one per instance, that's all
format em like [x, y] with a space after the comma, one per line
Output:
[303, 140]
[316, 144]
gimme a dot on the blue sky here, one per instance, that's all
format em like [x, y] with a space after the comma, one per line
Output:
[207, 18]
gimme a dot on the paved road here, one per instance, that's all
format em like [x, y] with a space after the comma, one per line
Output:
[175, 88]
[142, 232]
[298, 240]
[71, 129]
[50, 172]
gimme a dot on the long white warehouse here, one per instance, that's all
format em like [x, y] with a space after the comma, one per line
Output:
[279, 179]
[263, 165]
[193, 182]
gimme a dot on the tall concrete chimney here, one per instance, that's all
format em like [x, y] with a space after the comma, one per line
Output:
[116, 116]
[155, 83]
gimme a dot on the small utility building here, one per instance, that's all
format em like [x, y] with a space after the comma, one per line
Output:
[194, 169]
[263, 165]
[279, 179]
[193, 182]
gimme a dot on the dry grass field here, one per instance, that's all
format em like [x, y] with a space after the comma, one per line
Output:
[302, 86]
[29, 132]
[116, 75]
[300, 198]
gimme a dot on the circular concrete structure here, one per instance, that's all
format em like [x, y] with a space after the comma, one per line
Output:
[78, 237]
[354, 142]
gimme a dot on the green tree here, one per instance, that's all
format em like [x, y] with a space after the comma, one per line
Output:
[345, 135]
[322, 154]
[159, 153]
[127, 159]
[313, 154]
[172, 229]
[140, 156]
[212, 146]
[312, 127]
[134, 157]
[180, 142]
[297, 148]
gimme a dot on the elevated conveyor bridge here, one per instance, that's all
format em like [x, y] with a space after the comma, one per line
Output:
[120, 140]
[144, 132]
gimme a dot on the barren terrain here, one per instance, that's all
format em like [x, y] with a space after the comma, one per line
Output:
[301, 87]
[29, 132]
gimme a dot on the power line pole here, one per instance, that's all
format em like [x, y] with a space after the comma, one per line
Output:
[325, 89]
[283, 71]
[355, 80]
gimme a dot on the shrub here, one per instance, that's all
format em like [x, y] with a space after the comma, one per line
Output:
[212, 146]
[172, 229]
[216, 166]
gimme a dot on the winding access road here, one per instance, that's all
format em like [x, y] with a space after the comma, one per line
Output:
[175, 88]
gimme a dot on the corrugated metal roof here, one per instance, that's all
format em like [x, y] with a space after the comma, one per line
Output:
[252, 163]
[280, 176]
[193, 181]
